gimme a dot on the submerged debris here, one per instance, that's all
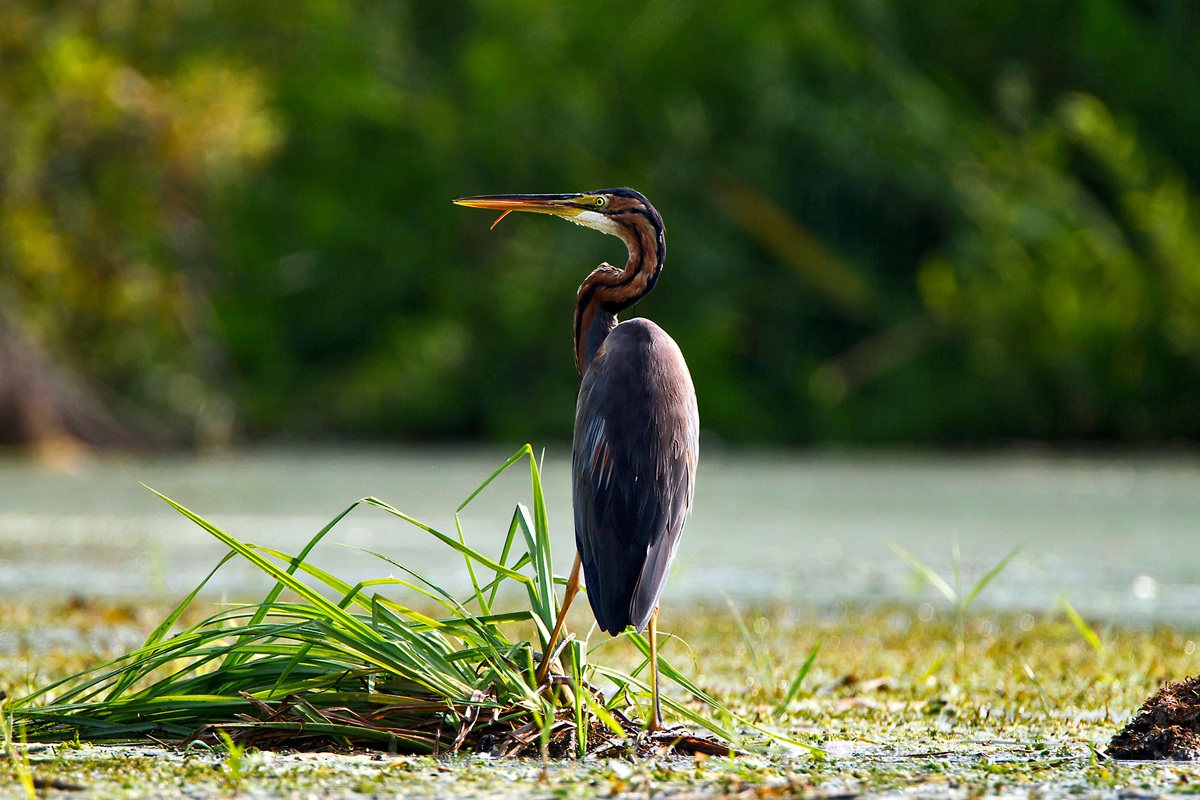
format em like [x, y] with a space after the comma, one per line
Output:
[1166, 727]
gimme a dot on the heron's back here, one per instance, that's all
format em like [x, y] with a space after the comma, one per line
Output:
[634, 466]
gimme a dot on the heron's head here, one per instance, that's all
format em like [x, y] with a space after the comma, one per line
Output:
[612, 211]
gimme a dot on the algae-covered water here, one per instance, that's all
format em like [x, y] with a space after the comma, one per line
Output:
[1115, 535]
[90, 560]
[1025, 713]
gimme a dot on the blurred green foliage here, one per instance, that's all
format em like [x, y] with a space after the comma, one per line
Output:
[888, 220]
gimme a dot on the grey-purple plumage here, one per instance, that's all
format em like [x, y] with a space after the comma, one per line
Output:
[637, 442]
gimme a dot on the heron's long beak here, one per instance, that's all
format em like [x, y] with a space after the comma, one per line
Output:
[560, 205]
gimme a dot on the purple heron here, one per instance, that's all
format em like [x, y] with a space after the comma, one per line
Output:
[637, 428]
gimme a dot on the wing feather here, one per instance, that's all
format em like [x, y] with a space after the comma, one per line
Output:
[634, 467]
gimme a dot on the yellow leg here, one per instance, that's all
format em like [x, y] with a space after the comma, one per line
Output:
[656, 723]
[568, 596]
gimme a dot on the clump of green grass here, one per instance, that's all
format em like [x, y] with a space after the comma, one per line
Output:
[320, 662]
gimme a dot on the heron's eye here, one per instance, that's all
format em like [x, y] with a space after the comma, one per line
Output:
[601, 202]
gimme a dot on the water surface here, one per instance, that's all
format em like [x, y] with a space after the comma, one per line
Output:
[1116, 536]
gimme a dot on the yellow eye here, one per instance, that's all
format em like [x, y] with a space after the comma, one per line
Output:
[601, 202]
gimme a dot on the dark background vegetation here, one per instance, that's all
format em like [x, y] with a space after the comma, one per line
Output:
[888, 220]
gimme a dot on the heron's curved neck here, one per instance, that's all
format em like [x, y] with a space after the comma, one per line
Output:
[608, 290]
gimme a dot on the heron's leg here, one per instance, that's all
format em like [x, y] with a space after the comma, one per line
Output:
[568, 595]
[656, 716]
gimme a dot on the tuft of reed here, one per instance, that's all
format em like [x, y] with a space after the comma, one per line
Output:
[320, 663]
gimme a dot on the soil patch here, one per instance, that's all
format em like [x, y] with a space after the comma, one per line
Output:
[1166, 727]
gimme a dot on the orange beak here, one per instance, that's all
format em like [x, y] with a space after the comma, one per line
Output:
[560, 205]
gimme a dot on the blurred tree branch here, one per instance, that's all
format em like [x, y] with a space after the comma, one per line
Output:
[830, 278]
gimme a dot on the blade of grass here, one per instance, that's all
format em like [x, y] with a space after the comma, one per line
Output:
[1081, 625]
[922, 569]
[509, 538]
[541, 551]
[526, 450]
[479, 598]
[447, 540]
[745, 632]
[801, 675]
[576, 652]
[990, 576]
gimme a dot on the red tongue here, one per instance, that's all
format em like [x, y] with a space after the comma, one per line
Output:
[502, 216]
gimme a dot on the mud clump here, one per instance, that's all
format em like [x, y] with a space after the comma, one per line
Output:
[1166, 727]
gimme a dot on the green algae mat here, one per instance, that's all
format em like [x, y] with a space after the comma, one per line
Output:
[1026, 711]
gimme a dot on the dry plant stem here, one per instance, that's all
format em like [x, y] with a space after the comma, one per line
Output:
[656, 716]
[568, 596]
